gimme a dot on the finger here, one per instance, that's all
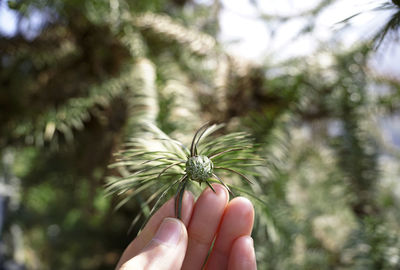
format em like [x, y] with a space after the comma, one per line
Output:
[207, 214]
[237, 221]
[165, 251]
[167, 210]
[242, 255]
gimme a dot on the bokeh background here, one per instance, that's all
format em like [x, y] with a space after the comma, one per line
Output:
[315, 82]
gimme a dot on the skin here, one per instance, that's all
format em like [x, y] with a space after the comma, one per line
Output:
[211, 216]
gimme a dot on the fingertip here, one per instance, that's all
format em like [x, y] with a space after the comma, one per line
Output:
[244, 201]
[242, 255]
[243, 207]
[220, 191]
[244, 244]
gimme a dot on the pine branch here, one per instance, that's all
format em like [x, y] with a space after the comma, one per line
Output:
[180, 105]
[143, 101]
[72, 115]
[163, 26]
[40, 54]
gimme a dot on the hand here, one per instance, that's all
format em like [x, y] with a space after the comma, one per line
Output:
[168, 243]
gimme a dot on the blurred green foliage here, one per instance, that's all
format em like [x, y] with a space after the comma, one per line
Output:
[75, 90]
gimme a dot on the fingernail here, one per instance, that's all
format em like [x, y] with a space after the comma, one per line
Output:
[169, 232]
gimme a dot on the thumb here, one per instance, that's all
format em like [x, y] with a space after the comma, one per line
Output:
[165, 251]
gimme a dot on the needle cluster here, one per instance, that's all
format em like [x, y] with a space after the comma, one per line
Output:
[164, 165]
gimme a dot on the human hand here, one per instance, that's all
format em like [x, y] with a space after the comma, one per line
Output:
[168, 243]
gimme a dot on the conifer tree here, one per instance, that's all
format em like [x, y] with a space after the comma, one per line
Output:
[94, 75]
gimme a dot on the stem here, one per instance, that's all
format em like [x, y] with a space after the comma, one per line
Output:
[179, 198]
